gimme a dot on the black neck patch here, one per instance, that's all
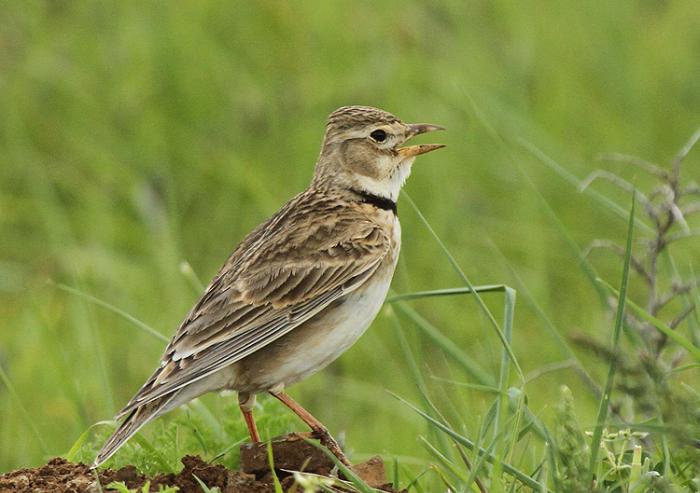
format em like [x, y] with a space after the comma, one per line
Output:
[377, 201]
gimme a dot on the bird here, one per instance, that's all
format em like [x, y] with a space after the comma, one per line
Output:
[298, 290]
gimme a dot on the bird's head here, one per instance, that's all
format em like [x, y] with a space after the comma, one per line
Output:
[362, 150]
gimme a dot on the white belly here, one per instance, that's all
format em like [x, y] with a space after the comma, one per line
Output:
[319, 341]
[348, 320]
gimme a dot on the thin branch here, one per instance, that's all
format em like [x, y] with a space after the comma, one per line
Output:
[617, 249]
[653, 213]
[636, 324]
[686, 287]
[663, 206]
[615, 180]
[692, 189]
[682, 236]
[647, 166]
[686, 148]
[678, 215]
[691, 208]
[677, 289]
[663, 189]
[682, 316]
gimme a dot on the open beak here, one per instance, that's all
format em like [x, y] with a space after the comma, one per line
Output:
[417, 129]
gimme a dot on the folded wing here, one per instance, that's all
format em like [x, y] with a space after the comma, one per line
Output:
[284, 273]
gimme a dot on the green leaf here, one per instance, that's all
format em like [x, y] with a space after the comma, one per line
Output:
[619, 319]
[271, 462]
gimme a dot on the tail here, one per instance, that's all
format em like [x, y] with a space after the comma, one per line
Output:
[133, 423]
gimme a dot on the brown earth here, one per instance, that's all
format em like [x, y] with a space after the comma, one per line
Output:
[291, 453]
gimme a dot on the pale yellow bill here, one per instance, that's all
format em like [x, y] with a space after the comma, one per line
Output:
[417, 129]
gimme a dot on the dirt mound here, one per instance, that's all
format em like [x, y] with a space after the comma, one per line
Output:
[291, 453]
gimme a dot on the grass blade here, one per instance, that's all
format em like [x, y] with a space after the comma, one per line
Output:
[271, 462]
[619, 318]
[442, 459]
[96, 301]
[447, 345]
[205, 488]
[490, 288]
[548, 323]
[573, 180]
[356, 481]
[23, 410]
[78, 444]
[507, 468]
[159, 457]
[460, 272]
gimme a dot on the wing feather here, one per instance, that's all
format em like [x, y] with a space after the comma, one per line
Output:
[284, 273]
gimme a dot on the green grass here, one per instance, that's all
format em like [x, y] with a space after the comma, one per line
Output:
[120, 487]
[138, 144]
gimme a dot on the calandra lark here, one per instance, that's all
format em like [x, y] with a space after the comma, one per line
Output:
[301, 288]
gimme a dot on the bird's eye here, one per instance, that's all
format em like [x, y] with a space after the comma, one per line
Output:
[378, 135]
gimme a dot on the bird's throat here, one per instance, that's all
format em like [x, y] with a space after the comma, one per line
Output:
[377, 201]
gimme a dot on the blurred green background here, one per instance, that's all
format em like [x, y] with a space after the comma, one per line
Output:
[135, 136]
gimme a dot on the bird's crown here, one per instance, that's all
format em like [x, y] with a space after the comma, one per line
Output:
[347, 117]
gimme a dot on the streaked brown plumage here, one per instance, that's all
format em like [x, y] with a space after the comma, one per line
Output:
[300, 288]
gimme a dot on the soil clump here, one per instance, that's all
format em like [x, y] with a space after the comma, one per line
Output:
[291, 453]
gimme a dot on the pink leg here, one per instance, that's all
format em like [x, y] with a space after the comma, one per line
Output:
[246, 403]
[320, 431]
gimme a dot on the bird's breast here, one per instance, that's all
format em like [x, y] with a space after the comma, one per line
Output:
[319, 341]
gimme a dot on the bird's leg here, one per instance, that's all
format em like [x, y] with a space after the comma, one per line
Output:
[319, 431]
[246, 402]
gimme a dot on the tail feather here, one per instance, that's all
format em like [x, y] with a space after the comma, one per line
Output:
[133, 423]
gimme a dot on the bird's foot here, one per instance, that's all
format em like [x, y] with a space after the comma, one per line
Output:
[329, 442]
